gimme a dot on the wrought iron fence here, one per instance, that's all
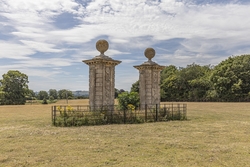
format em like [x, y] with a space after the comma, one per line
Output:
[79, 115]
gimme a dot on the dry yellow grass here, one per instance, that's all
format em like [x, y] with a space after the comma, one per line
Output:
[73, 102]
[215, 134]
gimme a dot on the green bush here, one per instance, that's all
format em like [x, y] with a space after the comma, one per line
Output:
[125, 99]
[51, 98]
[44, 101]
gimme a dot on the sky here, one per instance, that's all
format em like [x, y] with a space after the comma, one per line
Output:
[48, 39]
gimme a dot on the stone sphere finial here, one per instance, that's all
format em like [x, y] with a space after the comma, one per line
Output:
[102, 46]
[149, 53]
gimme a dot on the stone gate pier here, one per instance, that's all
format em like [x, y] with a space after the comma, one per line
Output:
[149, 80]
[101, 77]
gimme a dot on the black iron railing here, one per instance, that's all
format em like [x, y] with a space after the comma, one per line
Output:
[79, 115]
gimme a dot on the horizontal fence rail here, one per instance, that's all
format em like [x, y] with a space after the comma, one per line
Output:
[79, 115]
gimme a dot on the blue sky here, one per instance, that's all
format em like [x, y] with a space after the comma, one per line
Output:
[48, 39]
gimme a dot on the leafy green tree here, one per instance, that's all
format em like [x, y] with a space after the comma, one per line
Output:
[185, 84]
[121, 90]
[30, 95]
[117, 92]
[170, 89]
[51, 98]
[53, 93]
[42, 95]
[231, 79]
[14, 88]
[65, 94]
[1, 96]
[168, 71]
[44, 101]
[135, 87]
[126, 98]
[197, 81]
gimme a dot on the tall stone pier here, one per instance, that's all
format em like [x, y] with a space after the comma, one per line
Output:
[101, 77]
[149, 80]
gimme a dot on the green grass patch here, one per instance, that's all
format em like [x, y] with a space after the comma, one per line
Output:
[215, 134]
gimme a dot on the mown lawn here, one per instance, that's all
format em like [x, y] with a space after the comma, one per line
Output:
[215, 134]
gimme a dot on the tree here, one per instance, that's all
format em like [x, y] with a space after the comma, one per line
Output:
[185, 84]
[53, 93]
[196, 80]
[168, 71]
[117, 92]
[135, 87]
[1, 96]
[42, 95]
[44, 101]
[126, 98]
[170, 84]
[65, 94]
[121, 90]
[231, 79]
[30, 95]
[228, 81]
[14, 88]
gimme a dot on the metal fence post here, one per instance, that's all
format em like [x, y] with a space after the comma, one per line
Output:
[156, 112]
[172, 111]
[124, 116]
[52, 115]
[185, 111]
[179, 112]
[164, 112]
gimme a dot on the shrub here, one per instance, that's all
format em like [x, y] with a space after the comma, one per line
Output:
[44, 101]
[51, 98]
[126, 98]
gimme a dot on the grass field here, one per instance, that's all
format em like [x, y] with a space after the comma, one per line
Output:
[215, 134]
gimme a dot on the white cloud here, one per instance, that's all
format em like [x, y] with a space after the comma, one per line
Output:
[14, 51]
[129, 61]
[40, 6]
[130, 19]
[47, 74]
[113, 53]
[30, 32]
[210, 32]
[41, 47]
[47, 62]
[76, 35]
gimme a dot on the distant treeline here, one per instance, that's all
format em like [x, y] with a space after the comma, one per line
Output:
[229, 81]
[60, 94]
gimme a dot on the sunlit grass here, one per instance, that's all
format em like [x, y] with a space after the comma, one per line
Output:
[215, 134]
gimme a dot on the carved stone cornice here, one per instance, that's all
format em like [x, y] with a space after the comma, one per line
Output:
[105, 61]
[148, 66]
